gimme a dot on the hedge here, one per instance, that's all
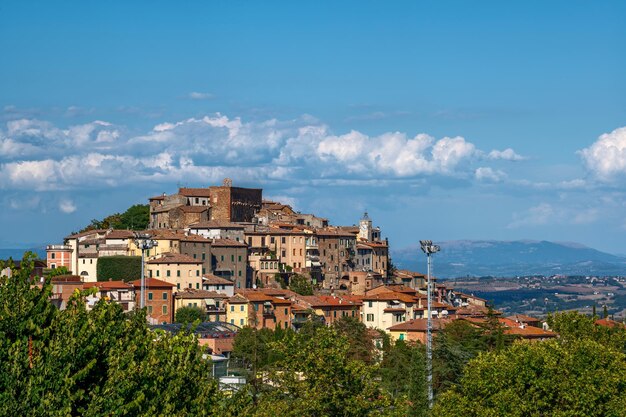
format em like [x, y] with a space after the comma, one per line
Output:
[126, 268]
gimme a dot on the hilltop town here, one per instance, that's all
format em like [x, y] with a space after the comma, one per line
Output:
[249, 262]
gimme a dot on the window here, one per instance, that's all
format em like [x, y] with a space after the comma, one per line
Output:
[190, 285]
[197, 272]
[401, 336]
[197, 286]
[149, 296]
[239, 272]
[370, 317]
[149, 309]
[167, 273]
[282, 240]
[204, 256]
[241, 308]
[286, 311]
[241, 322]
[194, 256]
[165, 296]
[232, 258]
[178, 285]
[157, 272]
[239, 258]
[52, 255]
[370, 304]
[232, 321]
[164, 310]
[222, 257]
[334, 314]
[232, 309]
[272, 239]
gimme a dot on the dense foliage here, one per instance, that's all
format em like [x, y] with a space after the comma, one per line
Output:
[125, 268]
[189, 314]
[300, 284]
[93, 363]
[137, 217]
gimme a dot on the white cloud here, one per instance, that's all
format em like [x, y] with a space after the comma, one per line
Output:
[606, 157]
[195, 95]
[488, 174]
[98, 154]
[508, 155]
[67, 206]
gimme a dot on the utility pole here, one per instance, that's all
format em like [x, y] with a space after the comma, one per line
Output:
[144, 241]
[428, 248]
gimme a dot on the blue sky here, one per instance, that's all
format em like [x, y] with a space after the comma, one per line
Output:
[445, 120]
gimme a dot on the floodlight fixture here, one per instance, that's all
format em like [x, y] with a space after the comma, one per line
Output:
[144, 242]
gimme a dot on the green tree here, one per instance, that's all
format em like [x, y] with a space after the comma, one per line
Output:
[190, 314]
[576, 378]
[62, 270]
[361, 344]
[316, 377]
[93, 363]
[403, 375]
[300, 284]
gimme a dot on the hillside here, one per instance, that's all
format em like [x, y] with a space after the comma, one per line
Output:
[512, 258]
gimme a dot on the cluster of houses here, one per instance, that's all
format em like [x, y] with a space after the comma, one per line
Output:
[230, 253]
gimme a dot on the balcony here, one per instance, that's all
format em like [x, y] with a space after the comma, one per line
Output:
[58, 247]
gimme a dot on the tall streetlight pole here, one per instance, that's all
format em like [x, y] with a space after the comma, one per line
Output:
[144, 241]
[428, 248]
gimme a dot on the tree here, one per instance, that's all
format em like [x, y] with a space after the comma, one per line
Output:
[93, 363]
[361, 344]
[316, 377]
[576, 378]
[136, 217]
[190, 314]
[62, 270]
[300, 284]
[403, 375]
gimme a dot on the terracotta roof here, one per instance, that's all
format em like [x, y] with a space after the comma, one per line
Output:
[609, 323]
[211, 279]
[174, 258]
[526, 332]
[109, 285]
[404, 273]
[216, 224]
[238, 299]
[227, 242]
[523, 319]
[120, 234]
[86, 233]
[334, 232]
[193, 209]
[152, 283]
[329, 301]
[61, 279]
[389, 296]
[194, 192]
[190, 293]
[194, 238]
[420, 325]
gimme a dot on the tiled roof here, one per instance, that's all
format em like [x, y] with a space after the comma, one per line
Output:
[109, 285]
[609, 323]
[523, 319]
[61, 279]
[174, 258]
[120, 234]
[226, 242]
[194, 238]
[404, 273]
[211, 279]
[86, 233]
[194, 192]
[389, 296]
[420, 325]
[194, 209]
[152, 283]
[334, 232]
[190, 293]
[216, 224]
[328, 301]
[238, 299]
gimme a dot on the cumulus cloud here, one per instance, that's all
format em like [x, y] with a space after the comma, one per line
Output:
[489, 175]
[67, 206]
[606, 157]
[508, 155]
[40, 155]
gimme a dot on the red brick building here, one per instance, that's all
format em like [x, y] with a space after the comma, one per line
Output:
[159, 300]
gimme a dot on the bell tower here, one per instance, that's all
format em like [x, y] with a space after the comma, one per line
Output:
[365, 227]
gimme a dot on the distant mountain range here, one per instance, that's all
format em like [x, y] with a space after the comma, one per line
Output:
[511, 258]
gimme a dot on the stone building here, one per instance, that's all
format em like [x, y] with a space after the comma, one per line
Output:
[229, 259]
[234, 204]
[336, 254]
[180, 270]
